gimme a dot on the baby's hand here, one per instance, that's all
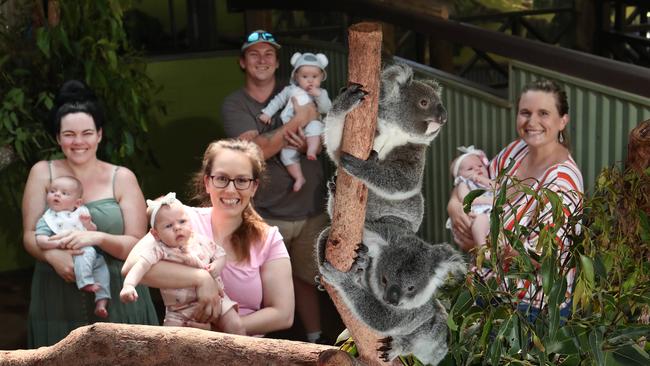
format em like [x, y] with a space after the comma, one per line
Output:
[85, 218]
[314, 92]
[211, 267]
[264, 118]
[128, 294]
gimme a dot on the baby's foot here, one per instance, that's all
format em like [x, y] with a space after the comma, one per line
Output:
[90, 288]
[311, 156]
[100, 308]
[298, 183]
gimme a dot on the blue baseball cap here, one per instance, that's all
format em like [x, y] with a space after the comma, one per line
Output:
[259, 36]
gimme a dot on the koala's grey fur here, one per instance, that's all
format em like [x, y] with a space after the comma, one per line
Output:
[391, 288]
[410, 116]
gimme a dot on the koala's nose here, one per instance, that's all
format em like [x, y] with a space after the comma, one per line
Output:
[393, 295]
[442, 114]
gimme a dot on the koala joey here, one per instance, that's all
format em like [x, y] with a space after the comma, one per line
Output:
[410, 116]
[391, 287]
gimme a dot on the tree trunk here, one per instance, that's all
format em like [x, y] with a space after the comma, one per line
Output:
[364, 64]
[638, 148]
[125, 344]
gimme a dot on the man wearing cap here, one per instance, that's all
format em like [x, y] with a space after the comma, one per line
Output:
[299, 215]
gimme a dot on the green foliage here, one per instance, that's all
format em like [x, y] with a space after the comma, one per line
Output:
[611, 290]
[89, 44]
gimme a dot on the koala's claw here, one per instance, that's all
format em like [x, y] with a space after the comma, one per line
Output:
[361, 249]
[319, 283]
[331, 185]
[385, 348]
[361, 259]
[386, 342]
[349, 98]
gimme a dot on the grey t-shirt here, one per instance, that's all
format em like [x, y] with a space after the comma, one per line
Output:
[275, 198]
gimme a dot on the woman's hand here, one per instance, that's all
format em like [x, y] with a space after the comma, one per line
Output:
[61, 261]
[461, 223]
[209, 295]
[78, 239]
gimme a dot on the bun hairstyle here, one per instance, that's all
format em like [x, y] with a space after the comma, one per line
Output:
[74, 97]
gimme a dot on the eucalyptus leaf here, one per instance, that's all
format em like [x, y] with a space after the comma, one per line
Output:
[595, 345]
[631, 355]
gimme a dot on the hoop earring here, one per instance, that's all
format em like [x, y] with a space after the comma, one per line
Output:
[560, 136]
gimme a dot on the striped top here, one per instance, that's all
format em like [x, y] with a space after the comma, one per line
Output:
[563, 178]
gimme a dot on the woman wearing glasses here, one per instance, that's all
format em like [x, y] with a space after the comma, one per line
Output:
[257, 274]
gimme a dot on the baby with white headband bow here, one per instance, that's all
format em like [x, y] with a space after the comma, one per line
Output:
[176, 242]
[470, 172]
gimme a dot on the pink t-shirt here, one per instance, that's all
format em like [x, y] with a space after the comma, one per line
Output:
[242, 281]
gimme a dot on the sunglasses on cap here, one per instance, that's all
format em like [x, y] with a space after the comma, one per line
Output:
[257, 35]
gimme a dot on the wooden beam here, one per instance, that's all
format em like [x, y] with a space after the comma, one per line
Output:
[125, 344]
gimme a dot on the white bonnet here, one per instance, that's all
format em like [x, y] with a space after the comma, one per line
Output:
[155, 205]
[467, 151]
[309, 59]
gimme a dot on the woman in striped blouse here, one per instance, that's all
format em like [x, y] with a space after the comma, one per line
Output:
[540, 158]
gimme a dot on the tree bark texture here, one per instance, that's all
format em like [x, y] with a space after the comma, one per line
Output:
[364, 67]
[124, 344]
[364, 64]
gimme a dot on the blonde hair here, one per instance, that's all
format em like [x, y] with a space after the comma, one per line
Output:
[253, 227]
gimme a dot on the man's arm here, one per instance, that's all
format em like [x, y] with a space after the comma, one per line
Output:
[239, 123]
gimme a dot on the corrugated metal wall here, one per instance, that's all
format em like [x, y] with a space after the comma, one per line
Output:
[600, 120]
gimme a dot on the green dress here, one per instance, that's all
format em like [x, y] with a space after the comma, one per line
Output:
[57, 307]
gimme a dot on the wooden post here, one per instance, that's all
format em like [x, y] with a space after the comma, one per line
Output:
[53, 13]
[638, 148]
[364, 65]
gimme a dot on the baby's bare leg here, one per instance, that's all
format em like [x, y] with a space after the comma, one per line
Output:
[230, 322]
[295, 171]
[100, 308]
[481, 228]
[313, 146]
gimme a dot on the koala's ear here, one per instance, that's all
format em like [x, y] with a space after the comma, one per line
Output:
[295, 58]
[437, 88]
[394, 78]
[322, 60]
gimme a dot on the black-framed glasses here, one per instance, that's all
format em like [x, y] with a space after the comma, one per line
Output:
[255, 36]
[221, 181]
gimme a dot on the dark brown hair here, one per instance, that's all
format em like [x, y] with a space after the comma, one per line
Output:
[561, 100]
[253, 227]
[74, 97]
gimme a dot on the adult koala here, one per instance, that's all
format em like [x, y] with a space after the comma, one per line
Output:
[391, 287]
[410, 116]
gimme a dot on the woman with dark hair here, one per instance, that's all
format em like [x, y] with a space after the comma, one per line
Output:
[257, 274]
[540, 158]
[117, 207]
